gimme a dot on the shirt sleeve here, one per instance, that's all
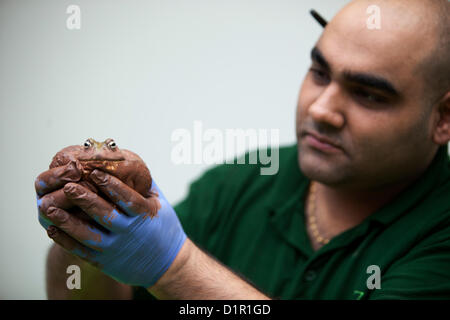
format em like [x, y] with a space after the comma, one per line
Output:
[424, 273]
[208, 204]
[198, 212]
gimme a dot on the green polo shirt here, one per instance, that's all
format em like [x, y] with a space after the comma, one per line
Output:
[255, 224]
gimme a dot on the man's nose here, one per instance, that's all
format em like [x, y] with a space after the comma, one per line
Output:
[328, 107]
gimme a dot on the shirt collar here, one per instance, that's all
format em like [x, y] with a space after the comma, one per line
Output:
[289, 181]
[290, 186]
[434, 176]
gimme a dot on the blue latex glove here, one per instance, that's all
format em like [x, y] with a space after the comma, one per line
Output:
[134, 248]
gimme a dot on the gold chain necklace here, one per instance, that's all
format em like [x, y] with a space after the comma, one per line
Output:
[312, 219]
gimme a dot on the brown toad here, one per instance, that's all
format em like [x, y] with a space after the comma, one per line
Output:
[106, 156]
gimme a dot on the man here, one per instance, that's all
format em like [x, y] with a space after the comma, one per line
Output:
[360, 208]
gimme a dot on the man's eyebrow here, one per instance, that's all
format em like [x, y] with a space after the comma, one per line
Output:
[363, 79]
[373, 81]
[317, 56]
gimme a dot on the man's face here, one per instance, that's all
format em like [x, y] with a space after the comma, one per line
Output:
[363, 95]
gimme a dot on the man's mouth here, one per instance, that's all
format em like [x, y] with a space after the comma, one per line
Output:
[321, 143]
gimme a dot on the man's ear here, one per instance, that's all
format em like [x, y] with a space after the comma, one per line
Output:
[441, 133]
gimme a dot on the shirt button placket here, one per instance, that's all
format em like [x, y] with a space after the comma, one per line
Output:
[310, 275]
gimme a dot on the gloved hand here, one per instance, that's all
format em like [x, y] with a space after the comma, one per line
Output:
[130, 246]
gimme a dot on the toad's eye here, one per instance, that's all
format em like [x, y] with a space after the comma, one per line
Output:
[87, 144]
[112, 145]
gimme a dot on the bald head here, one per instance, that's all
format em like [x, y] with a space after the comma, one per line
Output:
[370, 90]
[435, 68]
[421, 28]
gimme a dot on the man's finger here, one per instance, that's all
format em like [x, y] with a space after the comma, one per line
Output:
[80, 230]
[54, 199]
[121, 194]
[71, 245]
[55, 178]
[44, 221]
[96, 207]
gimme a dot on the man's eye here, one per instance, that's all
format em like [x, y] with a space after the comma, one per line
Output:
[319, 76]
[368, 96]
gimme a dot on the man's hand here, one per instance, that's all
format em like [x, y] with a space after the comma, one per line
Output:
[129, 245]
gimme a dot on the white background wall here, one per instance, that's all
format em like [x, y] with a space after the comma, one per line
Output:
[135, 71]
